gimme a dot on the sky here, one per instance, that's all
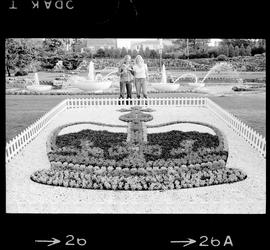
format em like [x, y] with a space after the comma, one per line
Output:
[126, 42]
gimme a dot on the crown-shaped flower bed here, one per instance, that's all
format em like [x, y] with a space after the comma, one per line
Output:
[136, 160]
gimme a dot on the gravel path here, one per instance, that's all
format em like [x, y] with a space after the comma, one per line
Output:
[26, 196]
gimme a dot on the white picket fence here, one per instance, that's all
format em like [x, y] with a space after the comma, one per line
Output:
[14, 146]
[168, 101]
[256, 140]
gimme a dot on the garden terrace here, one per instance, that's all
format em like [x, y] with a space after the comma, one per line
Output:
[248, 162]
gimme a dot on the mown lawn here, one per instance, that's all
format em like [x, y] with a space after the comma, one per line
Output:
[23, 110]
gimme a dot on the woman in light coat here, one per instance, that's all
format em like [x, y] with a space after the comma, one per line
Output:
[141, 76]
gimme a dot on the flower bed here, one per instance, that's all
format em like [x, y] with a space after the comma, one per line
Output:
[138, 179]
[105, 160]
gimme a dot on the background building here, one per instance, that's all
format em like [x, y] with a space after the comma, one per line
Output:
[95, 44]
[151, 44]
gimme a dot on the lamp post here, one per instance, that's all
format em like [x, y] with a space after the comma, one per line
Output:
[160, 53]
[187, 49]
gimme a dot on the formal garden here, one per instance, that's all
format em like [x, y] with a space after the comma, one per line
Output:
[72, 145]
[55, 65]
[137, 161]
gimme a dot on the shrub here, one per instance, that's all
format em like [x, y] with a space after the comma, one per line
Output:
[21, 73]
[222, 58]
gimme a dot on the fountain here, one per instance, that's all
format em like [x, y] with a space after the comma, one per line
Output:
[59, 66]
[164, 75]
[163, 85]
[91, 82]
[188, 76]
[36, 85]
[224, 71]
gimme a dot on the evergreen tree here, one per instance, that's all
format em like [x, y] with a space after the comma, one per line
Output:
[141, 51]
[116, 53]
[231, 51]
[153, 54]
[242, 50]
[134, 53]
[147, 52]
[129, 52]
[111, 52]
[236, 50]
[226, 50]
[107, 52]
[248, 50]
[123, 52]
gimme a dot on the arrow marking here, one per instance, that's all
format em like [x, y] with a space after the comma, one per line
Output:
[53, 241]
[188, 242]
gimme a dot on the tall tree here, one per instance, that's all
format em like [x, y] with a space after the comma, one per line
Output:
[129, 52]
[226, 50]
[100, 53]
[231, 51]
[11, 56]
[123, 52]
[141, 51]
[236, 51]
[153, 54]
[18, 54]
[242, 50]
[248, 50]
[134, 53]
[52, 44]
[147, 52]
[238, 42]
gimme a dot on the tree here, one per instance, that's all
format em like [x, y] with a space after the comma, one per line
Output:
[110, 52]
[134, 53]
[116, 53]
[106, 52]
[17, 54]
[129, 52]
[236, 50]
[213, 52]
[141, 51]
[52, 45]
[220, 50]
[238, 42]
[257, 50]
[195, 47]
[147, 52]
[100, 53]
[153, 54]
[226, 50]
[180, 44]
[77, 45]
[248, 50]
[11, 55]
[231, 51]
[123, 52]
[242, 50]
[261, 43]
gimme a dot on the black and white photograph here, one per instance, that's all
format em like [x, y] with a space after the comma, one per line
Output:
[135, 125]
[132, 123]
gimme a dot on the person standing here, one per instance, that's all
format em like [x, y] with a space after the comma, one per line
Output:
[126, 77]
[141, 76]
